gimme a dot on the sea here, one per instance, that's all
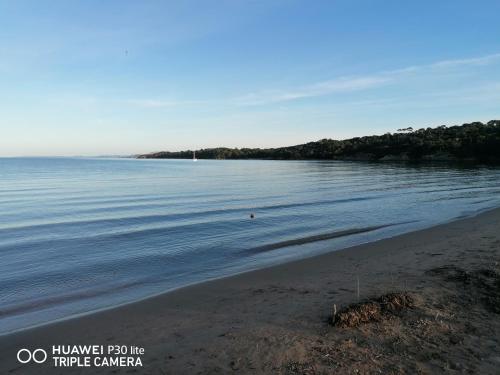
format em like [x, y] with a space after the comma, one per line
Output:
[78, 235]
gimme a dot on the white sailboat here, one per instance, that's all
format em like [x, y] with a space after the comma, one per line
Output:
[194, 156]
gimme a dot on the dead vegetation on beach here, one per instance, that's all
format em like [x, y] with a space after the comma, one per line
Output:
[373, 310]
[451, 326]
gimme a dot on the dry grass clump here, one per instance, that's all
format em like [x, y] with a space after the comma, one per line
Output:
[372, 310]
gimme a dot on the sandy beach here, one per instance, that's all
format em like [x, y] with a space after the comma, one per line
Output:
[276, 320]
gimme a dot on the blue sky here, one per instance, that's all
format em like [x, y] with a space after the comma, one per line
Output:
[122, 77]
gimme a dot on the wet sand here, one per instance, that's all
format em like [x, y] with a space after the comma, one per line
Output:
[276, 320]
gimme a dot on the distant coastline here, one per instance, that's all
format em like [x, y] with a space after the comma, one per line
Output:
[473, 142]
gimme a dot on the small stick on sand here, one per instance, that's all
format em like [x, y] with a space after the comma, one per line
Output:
[357, 286]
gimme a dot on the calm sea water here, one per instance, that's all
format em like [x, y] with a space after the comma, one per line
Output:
[77, 235]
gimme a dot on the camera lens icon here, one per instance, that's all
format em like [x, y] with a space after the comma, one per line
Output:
[25, 355]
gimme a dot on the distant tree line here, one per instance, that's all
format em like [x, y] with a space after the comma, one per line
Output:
[475, 141]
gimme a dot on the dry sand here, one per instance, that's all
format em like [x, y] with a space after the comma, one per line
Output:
[276, 320]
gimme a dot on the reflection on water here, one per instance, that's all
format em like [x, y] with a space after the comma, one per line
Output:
[82, 234]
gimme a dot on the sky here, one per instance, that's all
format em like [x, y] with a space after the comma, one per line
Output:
[123, 77]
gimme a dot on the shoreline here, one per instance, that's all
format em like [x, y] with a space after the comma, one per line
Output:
[291, 243]
[263, 248]
[174, 317]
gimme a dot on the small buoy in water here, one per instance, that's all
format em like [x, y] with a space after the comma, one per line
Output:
[252, 216]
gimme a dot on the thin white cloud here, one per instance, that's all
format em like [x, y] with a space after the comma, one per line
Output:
[347, 84]
[343, 84]
[327, 87]
[483, 60]
[152, 103]
[485, 94]
[160, 103]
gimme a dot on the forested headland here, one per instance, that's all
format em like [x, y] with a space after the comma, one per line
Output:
[469, 142]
